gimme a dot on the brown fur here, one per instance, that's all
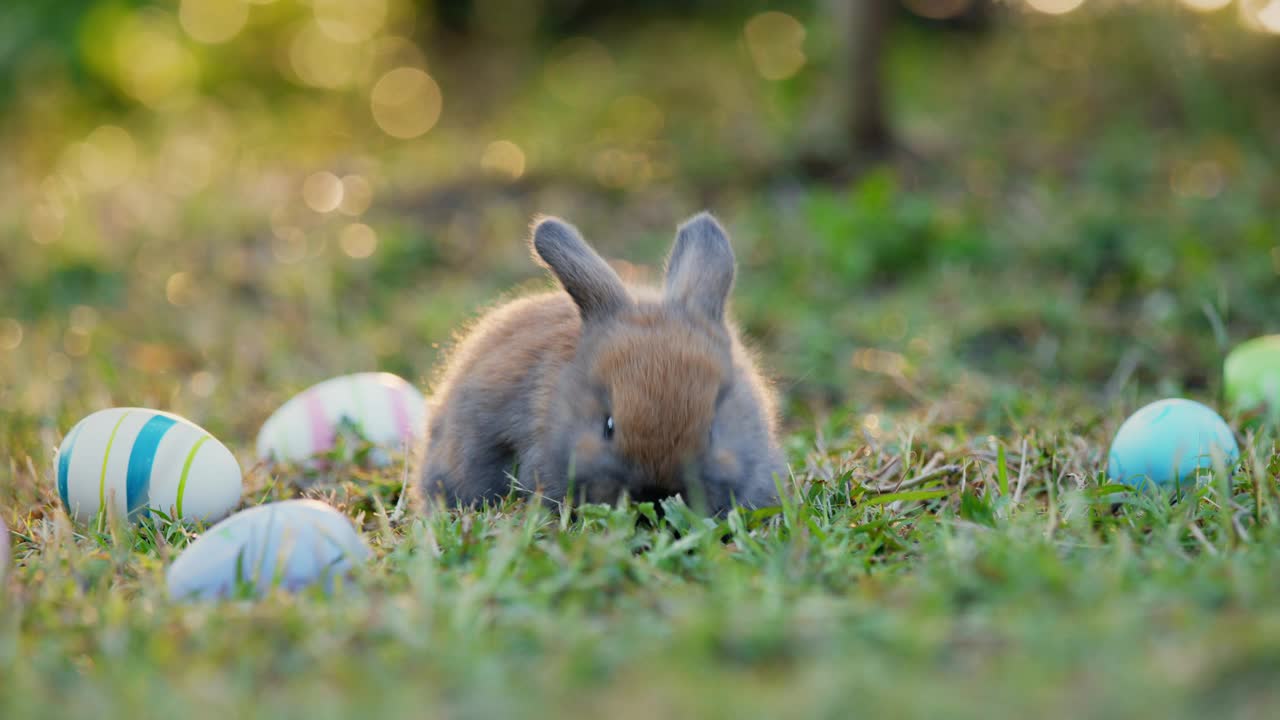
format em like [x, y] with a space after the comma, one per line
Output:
[527, 392]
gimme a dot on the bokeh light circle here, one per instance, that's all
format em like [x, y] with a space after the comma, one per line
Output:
[1055, 7]
[1206, 5]
[358, 241]
[776, 43]
[322, 192]
[350, 21]
[504, 159]
[213, 21]
[405, 102]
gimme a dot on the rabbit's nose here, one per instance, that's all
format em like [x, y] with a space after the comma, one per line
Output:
[651, 494]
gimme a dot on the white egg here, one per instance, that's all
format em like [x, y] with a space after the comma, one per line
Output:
[389, 412]
[140, 460]
[291, 544]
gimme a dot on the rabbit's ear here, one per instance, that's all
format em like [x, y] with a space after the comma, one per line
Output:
[593, 285]
[700, 269]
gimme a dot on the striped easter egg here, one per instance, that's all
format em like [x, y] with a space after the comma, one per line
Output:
[388, 411]
[291, 544]
[138, 460]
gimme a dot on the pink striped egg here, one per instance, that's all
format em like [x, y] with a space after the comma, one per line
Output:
[389, 412]
[136, 460]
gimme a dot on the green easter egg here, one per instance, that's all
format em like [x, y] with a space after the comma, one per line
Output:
[1251, 376]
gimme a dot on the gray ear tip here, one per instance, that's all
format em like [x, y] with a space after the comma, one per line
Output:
[700, 268]
[550, 225]
[704, 231]
[549, 231]
[703, 223]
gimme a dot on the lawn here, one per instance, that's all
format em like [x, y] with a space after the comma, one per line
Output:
[1080, 218]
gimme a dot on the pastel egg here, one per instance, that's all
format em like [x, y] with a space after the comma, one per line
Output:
[1169, 443]
[1251, 375]
[389, 412]
[139, 460]
[292, 544]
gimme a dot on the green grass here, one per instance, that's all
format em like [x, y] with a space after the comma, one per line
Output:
[955, 338]
[860, 597]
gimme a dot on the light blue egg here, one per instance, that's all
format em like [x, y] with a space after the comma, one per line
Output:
[1168, 443]
[291, 544]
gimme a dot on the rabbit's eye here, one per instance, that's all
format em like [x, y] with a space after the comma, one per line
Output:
[608, 427]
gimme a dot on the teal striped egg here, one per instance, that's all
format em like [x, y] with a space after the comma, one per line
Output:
[135, 460]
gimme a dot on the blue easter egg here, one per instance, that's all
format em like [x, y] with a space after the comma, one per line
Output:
[1168, 443]
[291, 544]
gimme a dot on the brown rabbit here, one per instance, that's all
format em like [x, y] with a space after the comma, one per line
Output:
[602, 390]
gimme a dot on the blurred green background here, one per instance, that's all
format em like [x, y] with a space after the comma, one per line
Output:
[972, 236]
[206, 205]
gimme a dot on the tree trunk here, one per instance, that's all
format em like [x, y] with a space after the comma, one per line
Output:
[848, 124]
[861, 73]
